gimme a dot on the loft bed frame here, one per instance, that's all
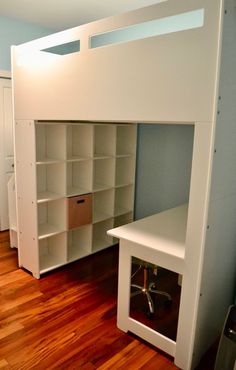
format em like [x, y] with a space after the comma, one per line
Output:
[178, 77]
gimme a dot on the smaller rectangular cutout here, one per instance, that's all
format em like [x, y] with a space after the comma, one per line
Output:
[64, 49]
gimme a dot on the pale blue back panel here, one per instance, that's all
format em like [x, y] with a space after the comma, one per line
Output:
[164, 156]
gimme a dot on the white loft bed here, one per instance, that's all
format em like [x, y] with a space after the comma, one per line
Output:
[181, 77]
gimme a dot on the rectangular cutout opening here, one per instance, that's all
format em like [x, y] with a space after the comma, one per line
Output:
[157, 27]
[155, 297]
[64, 49]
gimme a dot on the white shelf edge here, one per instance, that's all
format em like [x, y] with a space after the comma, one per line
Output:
[122, 211]
[77, 191]
[78, 159]
[43, 270]
[98, 156]
[124, 155]
[75, 256]
[124, 185]
[101, 244]
[101, 216]
[49, 161]
[101, 187]
[44, 197]
[47, 230]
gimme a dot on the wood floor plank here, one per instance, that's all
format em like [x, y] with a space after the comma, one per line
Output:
[67, 319]
[9, 329]
[133, 356]
[14, 277]
[4, 364]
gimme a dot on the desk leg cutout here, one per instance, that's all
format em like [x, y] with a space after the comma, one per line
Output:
[124, 321]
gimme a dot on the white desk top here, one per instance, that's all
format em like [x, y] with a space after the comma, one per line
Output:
[164, 232]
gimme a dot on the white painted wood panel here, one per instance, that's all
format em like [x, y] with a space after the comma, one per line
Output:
[6, 147]
[124, 82]
[219, 265]
[26, 196]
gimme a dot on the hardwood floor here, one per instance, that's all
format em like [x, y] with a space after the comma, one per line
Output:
[67, 319]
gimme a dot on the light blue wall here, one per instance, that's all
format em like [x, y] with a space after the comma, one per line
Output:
[164, 156]
[14, 32]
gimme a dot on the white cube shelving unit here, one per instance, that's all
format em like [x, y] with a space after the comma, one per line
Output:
[69, 159]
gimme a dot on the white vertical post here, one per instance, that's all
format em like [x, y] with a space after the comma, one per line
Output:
[195, 237]
[124, 280]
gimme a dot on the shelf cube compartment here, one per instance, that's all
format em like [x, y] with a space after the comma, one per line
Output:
[125, 169]
[104, 140]
[79, 243]
[50, 142]
[124, 198]
[123, 219]
[79, 211]
[51, 181]
[125, 139]
[103, 205]
[52, 252]
[79, 177]
[103, 174]
[100, 238]
[79, 141]
[51, 218]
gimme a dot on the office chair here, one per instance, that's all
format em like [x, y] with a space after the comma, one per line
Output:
[149, 286]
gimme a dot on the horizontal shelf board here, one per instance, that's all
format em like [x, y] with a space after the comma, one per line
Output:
[165, 232]
[122, 211]
[75, 253]
[102, 156]
[124, 155]
[100, 216]
[48, 263]
[77, 191]
[46, 196]
[78, 159]
[122, 185]
[101, 244]
[49, 161]
[46, 230]
[100, 187]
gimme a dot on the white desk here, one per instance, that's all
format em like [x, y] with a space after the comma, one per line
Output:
[159, 239]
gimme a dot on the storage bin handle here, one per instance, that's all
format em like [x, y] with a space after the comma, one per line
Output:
[80, 201]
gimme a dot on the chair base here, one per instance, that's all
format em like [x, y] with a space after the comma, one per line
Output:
[146, 292]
